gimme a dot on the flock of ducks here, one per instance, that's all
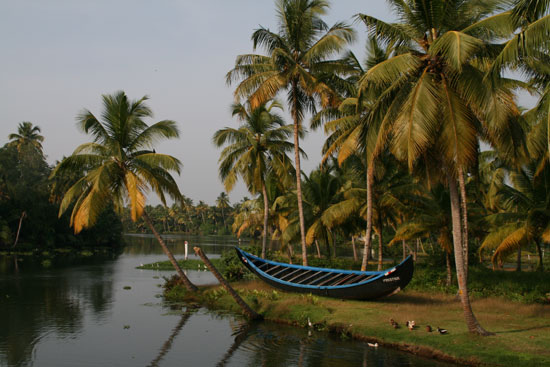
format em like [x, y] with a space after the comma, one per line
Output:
[411, 325]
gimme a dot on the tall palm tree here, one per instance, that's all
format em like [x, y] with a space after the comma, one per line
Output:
[27, 136]
[256, 148]
[297, 62]
[436, 98]
[222, 203]
[121, 166]
[356, 127]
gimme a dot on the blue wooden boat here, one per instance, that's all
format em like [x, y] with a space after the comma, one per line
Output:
[337, 283]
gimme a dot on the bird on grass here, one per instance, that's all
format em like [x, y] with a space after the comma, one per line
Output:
[394, 324]
[373, 345]
[442, 331]
[428, 328]
[411, 325]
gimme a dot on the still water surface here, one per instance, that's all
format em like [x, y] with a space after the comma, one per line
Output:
[81, 313]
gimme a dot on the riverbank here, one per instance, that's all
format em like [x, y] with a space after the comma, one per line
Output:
[522, 330]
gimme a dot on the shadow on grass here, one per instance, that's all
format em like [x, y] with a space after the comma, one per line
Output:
[413, 299]
[521, 330]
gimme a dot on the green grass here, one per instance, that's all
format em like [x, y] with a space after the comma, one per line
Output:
[191, 264]
[522, 331]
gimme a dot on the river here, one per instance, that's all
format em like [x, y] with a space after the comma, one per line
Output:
[102, 311]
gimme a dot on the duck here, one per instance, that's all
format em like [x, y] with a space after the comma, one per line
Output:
[442, 331]
[394, 324]
[428, 328]
[373, 345]
[411, 325]
[309, 324]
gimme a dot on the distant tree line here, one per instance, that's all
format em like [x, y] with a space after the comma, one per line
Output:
[29, 204]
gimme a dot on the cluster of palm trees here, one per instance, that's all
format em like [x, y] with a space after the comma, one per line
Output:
[432, 114]
[187, 217]
[425, 139]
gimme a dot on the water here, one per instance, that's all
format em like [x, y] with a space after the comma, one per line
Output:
[78, 313]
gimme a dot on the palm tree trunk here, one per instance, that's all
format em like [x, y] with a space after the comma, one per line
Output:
[190, 286]
[23, 215]
[471, 321]
[368, 232]
[354, 249]
[449, 280]
[518, 260]
[298, 169]
[539, 250]
[318, 249]
[266, 215]
[404, 249]
[250, 313]
[464, 207]
[380, 258]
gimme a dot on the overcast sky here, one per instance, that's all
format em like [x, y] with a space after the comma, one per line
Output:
[60, 56]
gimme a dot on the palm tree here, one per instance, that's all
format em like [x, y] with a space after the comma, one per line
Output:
[120, 166]
[297, 61]
[222, 202]
[356, 127]
[436, 97]
[525, 217]
[256, 148]
[27, 136]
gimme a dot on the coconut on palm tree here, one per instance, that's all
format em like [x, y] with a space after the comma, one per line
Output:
[297, 61]
[257, 147]
[121, 166]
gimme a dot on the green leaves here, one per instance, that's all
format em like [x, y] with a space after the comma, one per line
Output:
[456, 48]
[116, 168]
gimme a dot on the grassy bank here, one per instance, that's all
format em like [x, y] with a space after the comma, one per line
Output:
[192, 264]
[522, 330]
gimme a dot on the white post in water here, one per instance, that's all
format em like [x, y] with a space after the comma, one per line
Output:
[186, 244]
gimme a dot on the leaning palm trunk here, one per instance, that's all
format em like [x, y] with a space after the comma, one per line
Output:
[23, 215]
[471, 321]
[368, 232]
[266, 215]
[250, 313]
[190, 286]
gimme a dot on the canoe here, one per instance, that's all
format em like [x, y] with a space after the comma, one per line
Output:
[337, 283]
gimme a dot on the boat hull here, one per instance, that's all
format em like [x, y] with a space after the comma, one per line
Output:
[370, 285]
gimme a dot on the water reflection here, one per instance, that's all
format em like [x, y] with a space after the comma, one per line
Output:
[104, 312]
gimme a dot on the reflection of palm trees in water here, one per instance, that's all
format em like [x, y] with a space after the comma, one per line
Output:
[241, 334]
[168, 343]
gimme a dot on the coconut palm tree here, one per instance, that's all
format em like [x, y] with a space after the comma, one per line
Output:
[356, 127]
[436, 97]
[121, 166]
[297, 62]
[526, 215]
[27, 136]
[256, 148]
[222, 203]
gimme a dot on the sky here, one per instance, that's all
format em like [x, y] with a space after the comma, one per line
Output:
[59, 56]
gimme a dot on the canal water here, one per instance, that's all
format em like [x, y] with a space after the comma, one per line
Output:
[102, 311]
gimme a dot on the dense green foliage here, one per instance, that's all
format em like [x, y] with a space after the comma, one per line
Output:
[27, 205]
